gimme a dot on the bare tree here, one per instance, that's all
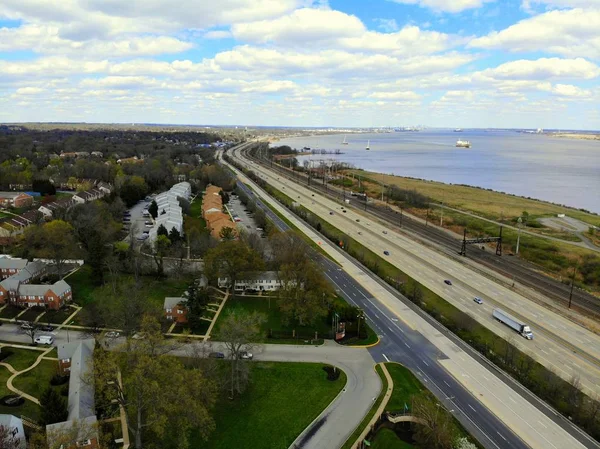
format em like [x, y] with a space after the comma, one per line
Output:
[436, 431]
[8, 438]
[31, 329]
[238, 331]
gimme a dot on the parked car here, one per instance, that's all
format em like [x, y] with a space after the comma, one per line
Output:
[478, 300]
[112, 334]
[246, 355]
[448, 281]
[44, 340]
[147, 226]
[387, 253]
[26, 326]
[216, 355]
[47, 328]
[143, 236]
[148, 222]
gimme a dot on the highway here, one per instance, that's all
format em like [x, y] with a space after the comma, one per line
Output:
[478, 395]
[559, 344]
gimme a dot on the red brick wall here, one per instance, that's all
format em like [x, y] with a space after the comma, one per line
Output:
[23, 200]
[177, 317]
[4, 295]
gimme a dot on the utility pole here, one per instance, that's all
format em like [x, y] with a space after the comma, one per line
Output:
[427, 218]
[442, 216]
[382, 185]
[400, 217]
[572, 284]
[519, 221]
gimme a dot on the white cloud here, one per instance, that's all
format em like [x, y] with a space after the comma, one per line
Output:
[545, 68]
[217, 34]
[387, 25]
[568, 90]
[572, 33]
[452, 6]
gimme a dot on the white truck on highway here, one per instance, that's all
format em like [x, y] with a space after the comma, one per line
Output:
[513, 323]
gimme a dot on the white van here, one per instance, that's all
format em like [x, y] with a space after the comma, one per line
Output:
[44, 340]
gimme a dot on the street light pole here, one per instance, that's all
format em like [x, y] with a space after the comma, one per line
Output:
[519, 221]
[572, 284]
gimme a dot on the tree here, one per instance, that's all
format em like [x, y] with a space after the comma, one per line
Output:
[43, 186]
[304, 291]
[229, 259]
[436, 431]
[30, 328]
[197, 300]
[54, 240]
[153, 209]
[54, 407]
[238, 331]
[8, 439]
[227, 233]
[160, 248]
[131, 189]
[174, 235]
[184, 204]
[162, 230]
[464, 443]
[156, 391]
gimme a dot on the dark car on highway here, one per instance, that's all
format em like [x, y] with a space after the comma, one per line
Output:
[448, 281]
[387, 253]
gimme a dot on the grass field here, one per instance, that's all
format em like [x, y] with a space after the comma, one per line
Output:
[281, 401]
[10, 311]
[28, 408]
[21, 358]
[487, 203]
[155, 290]
[57, 316]
[405, 386]
[268, 306]
[387, 439]
[31, 313]
[34, 382]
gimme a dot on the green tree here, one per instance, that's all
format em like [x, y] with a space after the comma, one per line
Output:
[153, 209]
[55, 240]
[227, 233]
[229, 259]
[162, 230]
[131, 189]
[160, 248]
[174, 235]
[238, 331]
[156, 391]
[196, 303]
[54, 407]
[437, 431]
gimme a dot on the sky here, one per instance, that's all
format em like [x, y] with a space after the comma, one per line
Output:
[343, 63]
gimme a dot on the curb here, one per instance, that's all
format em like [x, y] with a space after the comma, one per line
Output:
[366, 346]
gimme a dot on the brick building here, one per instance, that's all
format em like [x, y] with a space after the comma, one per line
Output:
[15, 199]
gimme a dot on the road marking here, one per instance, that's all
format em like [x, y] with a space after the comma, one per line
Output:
[406, 344]
[501, 436]
[472, 408]
[540, 423]
[385, 357]
[426, 364]
[447, 384]
[511, 398]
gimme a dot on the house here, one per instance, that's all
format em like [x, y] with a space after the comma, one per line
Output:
[15, 199]
[76, 360]
[88, 195]
[104, 187]
[10, 266]
[97, 154]
[29, 295]
[48, 209]
[212, 212]
[130, 160]
[14, 427]
[217, 221]
[175, 309]
[264, 281]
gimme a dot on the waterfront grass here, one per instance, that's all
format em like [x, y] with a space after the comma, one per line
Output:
[281, 401]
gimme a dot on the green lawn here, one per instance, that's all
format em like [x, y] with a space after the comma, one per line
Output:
[28, 409]
[21, 358]
[405, 386]
[282, 399]
[31, 313]
[155, 290]
[387, 439]
[57, 316]
[268, 306]
[10, 311]
[34, 382]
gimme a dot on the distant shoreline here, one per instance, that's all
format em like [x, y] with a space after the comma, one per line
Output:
[579, 136]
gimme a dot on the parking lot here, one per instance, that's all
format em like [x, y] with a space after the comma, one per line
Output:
[237, 209]
[137, 219]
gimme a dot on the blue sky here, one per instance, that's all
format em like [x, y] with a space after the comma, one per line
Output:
[345, 63]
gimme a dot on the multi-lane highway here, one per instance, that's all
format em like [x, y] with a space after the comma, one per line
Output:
[497, 413]
[559, 344]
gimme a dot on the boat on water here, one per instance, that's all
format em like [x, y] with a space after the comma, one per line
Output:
[368, 145]
[463, 143]
[458, 130]
[344, 142]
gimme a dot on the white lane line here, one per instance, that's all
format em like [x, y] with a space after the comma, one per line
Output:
[406, 344]
[385, 357]
[501, 436]
[447, 384]
[472, 408]
[426, 364]
[541, 424]
[511, 398]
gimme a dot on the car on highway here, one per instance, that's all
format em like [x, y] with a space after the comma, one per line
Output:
[313, 194]
[359, 232]
[357, 220]
[44, 340]
[344, 211]
[385, 232]
[245, 355]
[447, 281]
[330, 213]
[112, 334]
[478, 300]
[387, 253]
[216, 355]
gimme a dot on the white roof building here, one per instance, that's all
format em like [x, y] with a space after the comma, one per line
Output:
[170, 214]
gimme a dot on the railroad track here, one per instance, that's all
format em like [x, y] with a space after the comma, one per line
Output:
[523, 272]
